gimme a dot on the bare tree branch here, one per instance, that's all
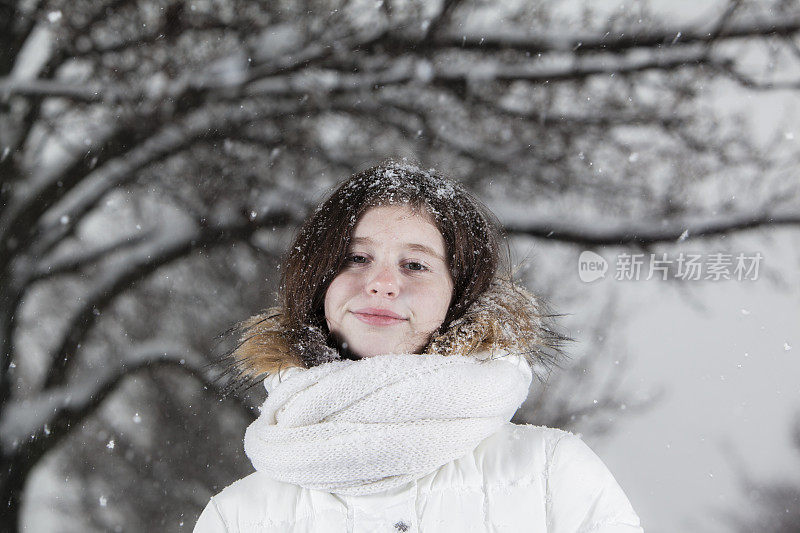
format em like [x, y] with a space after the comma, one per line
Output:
[729, 69]
[651, 233]
[436, 24]
[332, 82]
[48, 415]
[76, 262]
[139, 264]
[31, 427]
[542, 42]
[93, 187]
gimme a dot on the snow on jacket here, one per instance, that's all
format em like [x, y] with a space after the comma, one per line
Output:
[518, 479]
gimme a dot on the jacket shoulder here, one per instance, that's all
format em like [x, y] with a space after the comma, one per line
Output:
[556, 467]
[259, 503]
[251, 487]
[515, 454]
[582, 494]
[518, 451]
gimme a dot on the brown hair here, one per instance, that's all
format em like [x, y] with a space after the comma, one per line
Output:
[487, 310]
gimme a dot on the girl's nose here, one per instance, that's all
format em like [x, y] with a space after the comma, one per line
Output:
[383, 283]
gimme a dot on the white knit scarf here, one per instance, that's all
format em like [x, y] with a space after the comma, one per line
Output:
[359, 427]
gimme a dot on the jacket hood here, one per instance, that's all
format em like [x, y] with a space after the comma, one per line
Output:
[506, 318]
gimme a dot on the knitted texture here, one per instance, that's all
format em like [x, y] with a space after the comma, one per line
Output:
[359, 427]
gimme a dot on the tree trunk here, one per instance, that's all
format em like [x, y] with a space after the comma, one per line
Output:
[12, 481]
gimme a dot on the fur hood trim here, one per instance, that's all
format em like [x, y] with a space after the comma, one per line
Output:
[506, 318]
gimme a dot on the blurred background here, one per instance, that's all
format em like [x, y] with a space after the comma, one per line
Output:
[156, 157]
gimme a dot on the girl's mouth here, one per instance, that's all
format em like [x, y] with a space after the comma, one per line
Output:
[378, 317]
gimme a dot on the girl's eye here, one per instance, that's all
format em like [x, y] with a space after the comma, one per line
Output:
[355, 258]
[413, 265]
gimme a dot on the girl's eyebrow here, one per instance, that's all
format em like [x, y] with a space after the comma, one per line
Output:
[410, 246]
[424, 249]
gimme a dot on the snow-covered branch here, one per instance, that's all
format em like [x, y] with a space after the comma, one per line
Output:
[40, 415]
[172, 138]
[58, 89]
[35, 196]
[32, 425]
[435, 25]
[729, 69]
[328, 81]
[75, 262]
[544, 42]
[422, 71]
[143, 261]
[648, 233]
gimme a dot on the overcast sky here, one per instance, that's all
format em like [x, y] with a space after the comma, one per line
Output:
[727, 356]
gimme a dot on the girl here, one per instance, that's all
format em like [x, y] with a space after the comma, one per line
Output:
[393, 364]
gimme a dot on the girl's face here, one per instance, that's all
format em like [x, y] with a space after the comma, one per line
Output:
[395, 287]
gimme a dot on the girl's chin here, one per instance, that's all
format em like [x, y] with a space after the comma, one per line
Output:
[371, 343]
[374, 351]
[365, 354]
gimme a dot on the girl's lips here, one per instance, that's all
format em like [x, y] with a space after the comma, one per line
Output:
[378, 317]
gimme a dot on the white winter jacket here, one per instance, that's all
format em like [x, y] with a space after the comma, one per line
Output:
[522, 479]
